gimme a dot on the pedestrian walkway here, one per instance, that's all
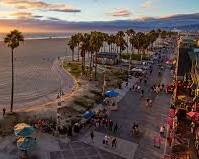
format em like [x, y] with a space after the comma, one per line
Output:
[124, 148]
[132, 109]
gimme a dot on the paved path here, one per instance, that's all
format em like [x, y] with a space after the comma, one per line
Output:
[124, 148]
[132, 109]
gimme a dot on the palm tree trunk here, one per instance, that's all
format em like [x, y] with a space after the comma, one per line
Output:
[78, 52]
[90, 69]
[127, 45]
[72, 55]
[96, 66]
[12, 88]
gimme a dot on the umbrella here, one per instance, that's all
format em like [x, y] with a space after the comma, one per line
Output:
[111, 93]
[26, 143]
[88, 114]
[23, 129]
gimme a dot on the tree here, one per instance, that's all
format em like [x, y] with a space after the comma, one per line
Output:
[84, 47]
[78, 38]
[72, 44]
[130, 33]
[120, 42]
[96, 41]
[12, 40]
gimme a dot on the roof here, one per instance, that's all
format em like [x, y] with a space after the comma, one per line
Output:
[110, 55]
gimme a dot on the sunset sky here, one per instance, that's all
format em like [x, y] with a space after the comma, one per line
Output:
[88, 10]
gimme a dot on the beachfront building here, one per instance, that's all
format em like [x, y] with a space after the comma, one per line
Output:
[108, 58]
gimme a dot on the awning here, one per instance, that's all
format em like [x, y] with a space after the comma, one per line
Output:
[191, 114]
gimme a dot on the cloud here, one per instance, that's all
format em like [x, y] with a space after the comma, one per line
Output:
[147, 4]
[40, 5]
[120, 12]
[20, 15]
[56, 25]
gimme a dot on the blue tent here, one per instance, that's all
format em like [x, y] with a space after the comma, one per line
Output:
[23, 129]
[88, 114]
[111, 93]
[26, 143]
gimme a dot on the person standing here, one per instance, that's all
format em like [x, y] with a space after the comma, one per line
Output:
[4, 112]
[114, 143]
[115, 129]
[142, 93]
[92, 136]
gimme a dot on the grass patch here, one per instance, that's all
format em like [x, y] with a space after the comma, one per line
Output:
[84, 102]
[74, 68]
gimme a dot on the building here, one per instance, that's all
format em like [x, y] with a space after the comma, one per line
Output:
[108, 58]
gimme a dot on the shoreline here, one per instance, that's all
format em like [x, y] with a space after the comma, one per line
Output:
[42, 38]
[49, 100]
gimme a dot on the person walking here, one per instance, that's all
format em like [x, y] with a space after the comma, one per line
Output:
[115, 129]
[142, 93]
[106, 139]
[114, 142]
[162, 131]
[157, 141]
[4, 112]
[110, 125]
[92, 136]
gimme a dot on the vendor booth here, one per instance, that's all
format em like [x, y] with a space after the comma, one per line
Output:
[112, 99]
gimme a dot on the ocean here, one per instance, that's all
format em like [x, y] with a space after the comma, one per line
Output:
[41, 35]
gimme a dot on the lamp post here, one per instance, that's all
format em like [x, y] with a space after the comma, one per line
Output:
[104, 80]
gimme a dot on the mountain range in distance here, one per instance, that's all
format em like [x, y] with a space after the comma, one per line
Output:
[183, 22]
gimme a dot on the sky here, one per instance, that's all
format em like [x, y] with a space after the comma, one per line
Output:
[12, 11]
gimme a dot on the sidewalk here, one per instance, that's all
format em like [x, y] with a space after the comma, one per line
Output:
[132, 109]
[124, 148]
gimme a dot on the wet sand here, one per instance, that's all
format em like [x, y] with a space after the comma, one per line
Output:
[35, 78]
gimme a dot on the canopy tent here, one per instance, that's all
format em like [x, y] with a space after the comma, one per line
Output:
[88, 114]
[23, 129]
[111, 93]
[191, 114]
[26, 143]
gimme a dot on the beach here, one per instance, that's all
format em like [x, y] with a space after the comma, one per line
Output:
[37, 80]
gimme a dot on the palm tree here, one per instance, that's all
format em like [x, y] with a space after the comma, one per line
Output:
[72, 44]
[120, 42]
[130, 33]
[96, 42]
[84, 47]
[12, 40]
[78, 38]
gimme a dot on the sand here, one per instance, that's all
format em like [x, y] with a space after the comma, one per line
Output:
[35, 79]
